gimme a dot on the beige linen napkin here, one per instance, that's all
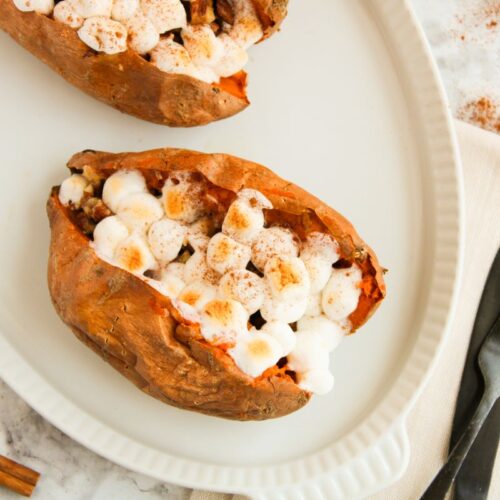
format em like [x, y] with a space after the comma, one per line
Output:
[429, 423]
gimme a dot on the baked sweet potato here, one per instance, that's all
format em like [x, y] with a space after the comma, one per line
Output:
[129, 80]
[143, 333]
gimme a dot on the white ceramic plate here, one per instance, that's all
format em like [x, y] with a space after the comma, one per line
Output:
[346, 103]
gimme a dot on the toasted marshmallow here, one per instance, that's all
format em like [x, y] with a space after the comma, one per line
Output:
[314, 305]
[197, 269]
[308, 354]
[172, 279]
[247, 29]
[243, 286]
[72, 190]
[225, 254]
[123, 10]
[93, 8]
[242, 222]
[165, 238]
[223, 321]
[271, 242]
[108, 234]
[203, 46]
[166, 15]
[287, 278]
[234, 57]
[330, 331]
[121, 184]
[142, 35]
[199, 233]
[255, 352]
[341, 294]
[287, 311]
[140, 210]
[133, 255]
[281, 332]
[182, 197]
[197, 294]
[319, 381]
[65, 12]
[40, 6]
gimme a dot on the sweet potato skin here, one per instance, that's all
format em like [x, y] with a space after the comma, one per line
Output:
[135, 329]
[271, 14]
[125, 81]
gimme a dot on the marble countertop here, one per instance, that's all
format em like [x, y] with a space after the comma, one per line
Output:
[465, 39]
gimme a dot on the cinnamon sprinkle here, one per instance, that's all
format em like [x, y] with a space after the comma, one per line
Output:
[483, 112]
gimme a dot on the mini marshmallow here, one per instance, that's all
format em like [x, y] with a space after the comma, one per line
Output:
[121, 184]
[308, 354]
[244, 219]
[65, 12]
[123, 10]
[108, 234]
[233, 60]
[199, 232]
[341, 294]
[104, 35]
[225, 254]
[197, 294]
[93, 8]
[206, 74]
[319, 381]
[287, 311]
[254, 198]
[140, 210]
[243, 286]
[40, 6]
[271, 242]
[172, 57]
[165, 238]
[283, 333]
[182, 197]
[203, 46]
[223, 321]
[197, 269]
[331, 333]
[314, 305]
[319, 271]
[319, 252]
[242, 222]
[255, 352]
[142, 35]
[133, 255]
[73, 189]
[321, 245]
[247, 29]
[166, 15]
[172, 279]
[287, 278]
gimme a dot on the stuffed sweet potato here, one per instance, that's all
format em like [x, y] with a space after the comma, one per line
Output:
[207, 280]
[171, 62]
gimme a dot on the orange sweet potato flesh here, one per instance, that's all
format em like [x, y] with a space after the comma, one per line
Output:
[125, 81]
[136, 329]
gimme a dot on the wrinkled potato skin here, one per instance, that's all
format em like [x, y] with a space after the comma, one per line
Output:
[125, 81]
[135, 328]
[271, 14]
